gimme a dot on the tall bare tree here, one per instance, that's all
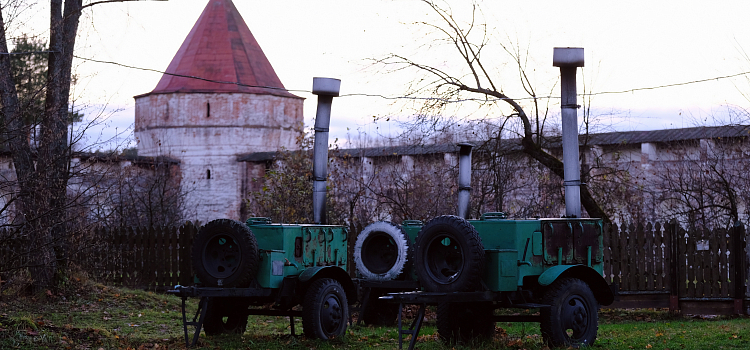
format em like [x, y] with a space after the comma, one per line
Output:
[709, 187]
[478, 83]
[42, 169]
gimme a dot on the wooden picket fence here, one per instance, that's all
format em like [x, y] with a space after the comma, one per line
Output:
[664, 265]
[148, 258]
[653, 265]
[155, 258]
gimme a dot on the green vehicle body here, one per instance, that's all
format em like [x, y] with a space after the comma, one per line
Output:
[528, 253]
[306, 251]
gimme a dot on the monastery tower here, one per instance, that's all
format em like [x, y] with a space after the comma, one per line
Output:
[219, 98]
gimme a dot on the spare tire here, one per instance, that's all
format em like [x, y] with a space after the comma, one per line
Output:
[381, 251]
[225, 254]
[449, 255]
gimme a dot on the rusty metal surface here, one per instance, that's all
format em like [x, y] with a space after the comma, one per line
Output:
[574, 237]
[557, 235]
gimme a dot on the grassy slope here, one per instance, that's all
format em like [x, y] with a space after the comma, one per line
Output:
[99, 317]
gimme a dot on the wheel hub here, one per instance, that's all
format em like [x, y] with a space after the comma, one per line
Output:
[331, 315]
[444, 259]
[576, 317]
[221, 256]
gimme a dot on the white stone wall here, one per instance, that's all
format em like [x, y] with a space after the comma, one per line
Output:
[206, 132]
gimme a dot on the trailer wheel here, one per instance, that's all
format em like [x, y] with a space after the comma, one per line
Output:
[449, 256]
[573, 318]
[379, 312]
[381, 251]
[462, 322]
[225, 254]
[225, 316]
[325, 310]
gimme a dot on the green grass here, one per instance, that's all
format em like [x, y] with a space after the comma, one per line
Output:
[99, 317]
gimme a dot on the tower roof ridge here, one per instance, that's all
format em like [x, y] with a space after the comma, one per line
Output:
[220, 54]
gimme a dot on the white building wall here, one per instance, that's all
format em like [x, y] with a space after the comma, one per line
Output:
[206, 132]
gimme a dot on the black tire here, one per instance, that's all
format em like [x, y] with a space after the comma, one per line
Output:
[325, 310]
[573, 318]
[381, 251]
[463, 322]
[449, 256]
[225, 316]
[225, 254]
[379, 312]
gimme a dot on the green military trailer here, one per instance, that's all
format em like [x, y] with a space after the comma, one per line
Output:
[260, 263]
[469, 268]
[241, 265]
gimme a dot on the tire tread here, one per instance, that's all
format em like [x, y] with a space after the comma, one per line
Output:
[248, 244]
[475, 256]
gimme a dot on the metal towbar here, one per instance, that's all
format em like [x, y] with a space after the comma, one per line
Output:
[206, 293]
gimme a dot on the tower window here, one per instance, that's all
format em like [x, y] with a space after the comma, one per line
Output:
[208, 174]
[208, 110]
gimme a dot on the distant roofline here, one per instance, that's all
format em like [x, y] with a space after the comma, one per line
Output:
[599, 139]
[279, 94]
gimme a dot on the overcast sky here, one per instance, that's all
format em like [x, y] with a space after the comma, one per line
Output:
[628, 45]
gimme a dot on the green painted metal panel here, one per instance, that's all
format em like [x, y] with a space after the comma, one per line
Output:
[537, 243]
[509, 236]
[552, 273]
[411, 228]
[301, 246]
[273, 268]
[501, 269]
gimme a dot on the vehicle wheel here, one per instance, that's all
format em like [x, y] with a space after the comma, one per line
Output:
[325, 310]
[462, 322]
[449, 255]
[573, 318]
[225, 254]
[381, 251]
[379, 312]
[225, 315]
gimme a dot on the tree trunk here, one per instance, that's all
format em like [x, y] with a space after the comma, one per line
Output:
[556, 166]
[43, 181]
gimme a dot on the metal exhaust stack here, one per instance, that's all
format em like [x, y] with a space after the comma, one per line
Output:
[326, 89]
[569, 59]
[464, 179]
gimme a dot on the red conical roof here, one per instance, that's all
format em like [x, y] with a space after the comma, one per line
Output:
[221, 51]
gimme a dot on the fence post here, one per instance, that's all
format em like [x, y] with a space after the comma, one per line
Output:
[674, 297]
[738, 243]
[186, 232]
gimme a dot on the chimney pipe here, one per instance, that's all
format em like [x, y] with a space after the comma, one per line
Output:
[326, 89]
[464, 179]
[569, 59]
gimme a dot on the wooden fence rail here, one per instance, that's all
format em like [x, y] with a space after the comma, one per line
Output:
[144, 258]
[653, 265]
[664, 265]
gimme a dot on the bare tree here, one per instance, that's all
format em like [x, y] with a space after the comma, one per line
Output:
[42, 172]
[285, 194]
[706, 183]
[469, 41]
[126, 190]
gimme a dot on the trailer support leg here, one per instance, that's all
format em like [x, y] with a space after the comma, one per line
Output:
[197, 321]
[291, 324]
[414, 328]
[363, 306]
